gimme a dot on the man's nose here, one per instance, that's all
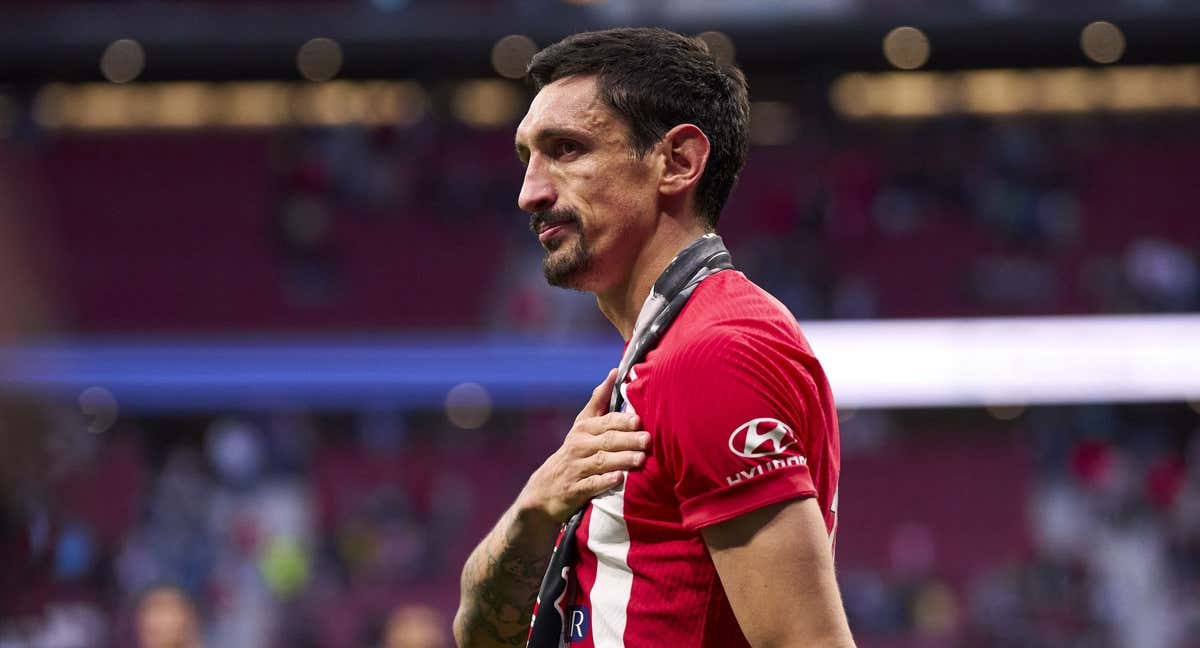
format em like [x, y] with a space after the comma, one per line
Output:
[537, 192]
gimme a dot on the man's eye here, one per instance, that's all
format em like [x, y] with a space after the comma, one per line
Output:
[566, 147]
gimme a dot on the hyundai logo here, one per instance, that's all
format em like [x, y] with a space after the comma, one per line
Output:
[761, 437]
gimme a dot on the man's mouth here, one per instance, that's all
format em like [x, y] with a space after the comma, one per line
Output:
[550, 230]
[548, 224]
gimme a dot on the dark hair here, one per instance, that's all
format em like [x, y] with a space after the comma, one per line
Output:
[655, 79]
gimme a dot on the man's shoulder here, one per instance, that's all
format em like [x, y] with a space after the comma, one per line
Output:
[729, 319]
[728, 309]
[732, 299]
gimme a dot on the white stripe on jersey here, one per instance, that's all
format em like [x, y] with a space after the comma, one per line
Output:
[608, 539]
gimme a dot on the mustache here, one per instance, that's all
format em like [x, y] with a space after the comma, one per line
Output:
[553, 216]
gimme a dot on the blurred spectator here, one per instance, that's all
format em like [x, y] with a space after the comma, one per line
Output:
[1112, 518]
[167, 618]
[1165, 274]
[416, 626]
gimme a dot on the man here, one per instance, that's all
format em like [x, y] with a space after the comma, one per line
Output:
[708, 504]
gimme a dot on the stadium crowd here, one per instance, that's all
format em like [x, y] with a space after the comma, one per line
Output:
[315, 529]
[326, 229]
[294, 529]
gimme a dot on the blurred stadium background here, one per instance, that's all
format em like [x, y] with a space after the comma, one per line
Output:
[273, 331]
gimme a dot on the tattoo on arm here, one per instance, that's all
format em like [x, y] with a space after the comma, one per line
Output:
[499, 587]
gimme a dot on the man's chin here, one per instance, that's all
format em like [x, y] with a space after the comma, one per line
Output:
[558, 278]
[564, 270]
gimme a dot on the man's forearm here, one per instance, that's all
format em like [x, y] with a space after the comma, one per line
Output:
[501, 578]
[500, 581]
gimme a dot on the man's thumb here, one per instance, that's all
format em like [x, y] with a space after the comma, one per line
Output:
[598, 404]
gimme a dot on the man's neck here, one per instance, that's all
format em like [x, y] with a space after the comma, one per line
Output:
[622, 304]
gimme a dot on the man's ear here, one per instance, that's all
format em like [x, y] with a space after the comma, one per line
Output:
[685, 157]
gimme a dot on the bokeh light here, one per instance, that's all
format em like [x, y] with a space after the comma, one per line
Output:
[403, 103]
[850, 93]
[999, 92]
[906, 48]
[239, 104]
[320, 59]
[48, 105]
[511, 55]
[486, 103]
[181, 104]
[123, 61]
[1102, 42]
[721, 46]
[100, 408]
[905, 95]
[262, 103]
[468, 405]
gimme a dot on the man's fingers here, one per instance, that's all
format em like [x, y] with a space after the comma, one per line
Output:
[598, 404]
[613, 421]
[583, 445]
[590, 487]
[616, 440]
[603, 462]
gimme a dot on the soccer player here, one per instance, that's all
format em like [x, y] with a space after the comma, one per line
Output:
[708, 501]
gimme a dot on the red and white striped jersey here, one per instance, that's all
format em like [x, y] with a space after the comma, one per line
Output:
[741, 416]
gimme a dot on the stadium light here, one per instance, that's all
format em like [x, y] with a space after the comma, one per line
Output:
[511, 55]
[919, 95]
[180, 105]
[468, 405]
[721, 46]
[320, 59]
[1010, 361]
[906, 48]
[486, 103]
[123, 61]
[1102, 42]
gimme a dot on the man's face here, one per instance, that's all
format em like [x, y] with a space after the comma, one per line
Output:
[592, 201]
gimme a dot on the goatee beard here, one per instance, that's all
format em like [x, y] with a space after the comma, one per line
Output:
[567, 262]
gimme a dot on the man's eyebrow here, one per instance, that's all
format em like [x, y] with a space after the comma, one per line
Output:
[554, 132]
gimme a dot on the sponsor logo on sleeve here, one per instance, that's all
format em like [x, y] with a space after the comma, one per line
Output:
[761, 437]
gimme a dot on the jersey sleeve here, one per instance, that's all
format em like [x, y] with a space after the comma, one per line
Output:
[732, 428]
